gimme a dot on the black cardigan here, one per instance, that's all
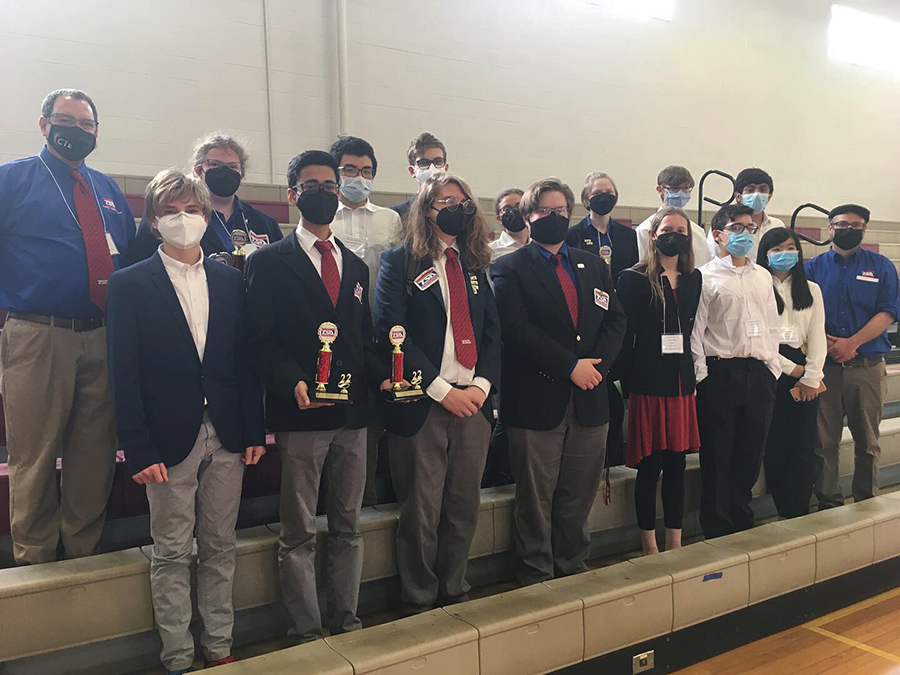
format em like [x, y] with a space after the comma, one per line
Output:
[643, 366]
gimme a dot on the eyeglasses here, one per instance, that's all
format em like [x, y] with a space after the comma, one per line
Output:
[216, 164]
[451, 204]
[544, 211]
[507, 209]
[351, 171]
[845, 225]
[68, 121]
[438, 162]
[315, 186]
[752, 228]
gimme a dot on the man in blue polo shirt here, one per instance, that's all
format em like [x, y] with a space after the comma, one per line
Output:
[860, 289]
[63, 228]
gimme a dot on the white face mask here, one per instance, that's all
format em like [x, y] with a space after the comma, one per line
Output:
[182, 230]
[423, 175]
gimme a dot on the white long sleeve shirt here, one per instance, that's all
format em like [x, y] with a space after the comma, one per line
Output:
[367, 231]
[737, 316]
[452, 371]
[192, 291]
[803, 329]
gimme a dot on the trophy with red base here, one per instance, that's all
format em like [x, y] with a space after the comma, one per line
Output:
[328, 334]
[397, 336]
[239, 257]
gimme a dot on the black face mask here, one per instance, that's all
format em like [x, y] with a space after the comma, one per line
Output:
[72, 143]
[551, 229]
[603, 202]
[222, 181]
[512, 220]
[848, 239]
[317, 207]
[672, 243]
[452, 223]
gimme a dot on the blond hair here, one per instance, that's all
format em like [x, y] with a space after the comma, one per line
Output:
[589, 180]
[532, 195]
[650, 266]
[218, 139]
[417, 235]
[171, 184]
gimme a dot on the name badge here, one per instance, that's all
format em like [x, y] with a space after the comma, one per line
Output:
[864, 277]
[601, 299]
[788, 334]
[672, 343]
[754, 328]
[113, 250]
[426, 279]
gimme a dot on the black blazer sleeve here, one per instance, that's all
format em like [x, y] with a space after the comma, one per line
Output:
[612, 331]
[377, 371]
[488, 365]
[522, 336]
[249, 390]
[630, 292]
[390, 310]
[143, 246]
[123, 352]
[275, 367]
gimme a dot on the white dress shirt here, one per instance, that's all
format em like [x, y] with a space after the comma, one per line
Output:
[806, 327]
[730, 299]
[767, 224]
[192, 290]
[698, 241]
[452, 371]
[367, 231]
[504, 244]
[308, 243]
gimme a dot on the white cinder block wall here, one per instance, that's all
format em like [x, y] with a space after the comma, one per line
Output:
[518, 89]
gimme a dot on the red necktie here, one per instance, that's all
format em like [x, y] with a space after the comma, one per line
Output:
[99, 260]
[330, 275]
[568, 287]
[463, 335]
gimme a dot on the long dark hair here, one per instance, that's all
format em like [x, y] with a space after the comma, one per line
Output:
[800, 292]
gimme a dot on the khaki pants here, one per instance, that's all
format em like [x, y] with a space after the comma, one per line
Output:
[57, 403]
[203, 492]
[859, 394]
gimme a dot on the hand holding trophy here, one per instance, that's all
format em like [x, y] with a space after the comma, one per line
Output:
[397, 392]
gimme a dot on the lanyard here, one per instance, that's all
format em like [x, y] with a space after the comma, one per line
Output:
[93, 189]
[225, 227]
[677, 313]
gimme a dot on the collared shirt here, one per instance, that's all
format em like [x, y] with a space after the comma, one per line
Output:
[452, 371]
[737, 316]
[192, 290]
[308, 243]
[43, 262]
[566, 263]
[504, 244]
[698, 241]
[367, 231]
[855, 289]
[803, 329]
[767, 224]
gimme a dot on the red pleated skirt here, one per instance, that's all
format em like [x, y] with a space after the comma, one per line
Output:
[661, 423]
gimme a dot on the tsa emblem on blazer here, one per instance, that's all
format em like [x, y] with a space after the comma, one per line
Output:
[426, 279]
[109, 204]
[357, 292]
[258, 239]
[601, 299]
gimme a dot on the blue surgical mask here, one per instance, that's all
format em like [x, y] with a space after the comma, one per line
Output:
[357, 189]
[678, 198]
[783, 261]
[756, 201]
[739, 244]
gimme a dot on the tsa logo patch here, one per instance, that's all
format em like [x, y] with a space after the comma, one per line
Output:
[109, 204]
[357, 292]
[426, 279]
[259, 239]
[601, 299]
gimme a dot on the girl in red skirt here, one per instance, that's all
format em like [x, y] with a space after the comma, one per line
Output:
[660, 296]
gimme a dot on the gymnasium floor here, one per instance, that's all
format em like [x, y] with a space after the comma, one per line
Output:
[860, 639]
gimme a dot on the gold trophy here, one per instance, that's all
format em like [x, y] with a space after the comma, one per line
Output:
[239, 257]
[327, 334]
[397, 336]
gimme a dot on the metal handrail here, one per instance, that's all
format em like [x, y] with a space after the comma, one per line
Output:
[802, 236]
[701, 198]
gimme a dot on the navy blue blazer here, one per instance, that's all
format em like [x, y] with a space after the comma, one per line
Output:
[541, 345]
[583, 235]
[288, 302]
[423, 315]
[159, 382]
